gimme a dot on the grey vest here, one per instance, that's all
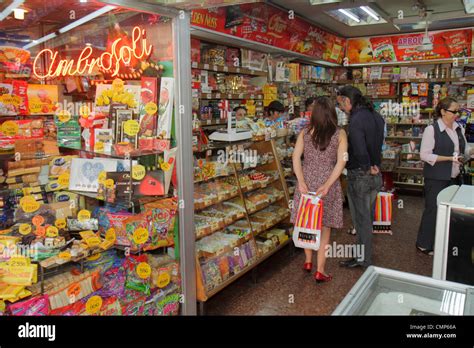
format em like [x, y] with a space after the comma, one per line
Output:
[444, 146]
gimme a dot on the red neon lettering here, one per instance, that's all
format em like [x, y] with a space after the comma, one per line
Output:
[109, 62]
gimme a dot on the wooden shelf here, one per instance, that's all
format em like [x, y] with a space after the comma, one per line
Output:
[214, 202]
[410, 169]
[408, 184]
[228, 69]
[221, 228]
[281, 219]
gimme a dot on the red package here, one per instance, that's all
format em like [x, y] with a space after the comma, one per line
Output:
[195, 50]
[20, 89]
[149, 94]
[457, 43]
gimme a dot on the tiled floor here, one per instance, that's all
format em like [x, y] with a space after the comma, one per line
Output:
[284, 289]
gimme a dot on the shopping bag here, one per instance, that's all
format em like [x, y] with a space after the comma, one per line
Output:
[383, 213]
[307, 229]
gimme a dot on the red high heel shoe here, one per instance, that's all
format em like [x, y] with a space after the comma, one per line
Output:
[321, 278]
[307, 266]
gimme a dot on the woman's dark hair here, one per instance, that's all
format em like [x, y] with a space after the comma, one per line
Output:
[237, 108]
[308, 102]
[357, 99]
[275, 106]
[323, 122]
[444, 104]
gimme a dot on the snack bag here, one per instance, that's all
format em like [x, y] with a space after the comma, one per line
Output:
[35, 306]
[163, 215]
[307, 231]
[133, 280]
[131, 224]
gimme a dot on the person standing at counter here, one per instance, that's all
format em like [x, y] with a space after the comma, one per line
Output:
[275, 113]
[442, 149]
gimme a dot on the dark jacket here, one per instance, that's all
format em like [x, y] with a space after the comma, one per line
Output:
[366, 135]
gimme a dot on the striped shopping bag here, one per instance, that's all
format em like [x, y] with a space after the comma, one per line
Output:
[383, 213]
[307, 229]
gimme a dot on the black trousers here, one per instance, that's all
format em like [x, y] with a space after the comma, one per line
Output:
[427, 230]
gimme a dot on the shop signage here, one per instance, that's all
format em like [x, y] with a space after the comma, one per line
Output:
[266, 24]
[120, 54]
[401, 48]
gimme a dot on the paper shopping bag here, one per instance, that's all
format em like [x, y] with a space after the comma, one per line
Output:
[307, 230]
[383, 213]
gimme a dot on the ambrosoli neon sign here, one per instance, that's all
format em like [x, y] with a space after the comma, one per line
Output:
[110, 62]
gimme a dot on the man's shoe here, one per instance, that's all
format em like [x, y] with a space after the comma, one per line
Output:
[356, 264]
[345, 263]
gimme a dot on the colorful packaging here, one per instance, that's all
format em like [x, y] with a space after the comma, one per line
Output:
[163, 215]
[36, 306]
[132, 223]
[149, 99]
[134, 282]
[42, 99]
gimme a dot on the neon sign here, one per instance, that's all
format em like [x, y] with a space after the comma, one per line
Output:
[110, 61]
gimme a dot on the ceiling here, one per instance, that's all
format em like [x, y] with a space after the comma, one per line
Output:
[446, 14]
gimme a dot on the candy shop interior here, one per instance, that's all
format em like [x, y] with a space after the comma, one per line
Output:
[146, 147]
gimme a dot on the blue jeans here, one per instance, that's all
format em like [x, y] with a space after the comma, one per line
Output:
[362, 189]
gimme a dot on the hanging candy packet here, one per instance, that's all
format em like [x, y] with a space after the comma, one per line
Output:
[35, 306]
[134, 280]
[132, 224]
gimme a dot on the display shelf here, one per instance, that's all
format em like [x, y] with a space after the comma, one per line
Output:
[228, 69]
[264, 205]
[259, 185]
[235, 96]
[271, 225]
[130, 203]
[408, 184]
[403, 138]
[221, 227]
[209, 123]
[383, 97]
[401, 168]
[201, 206]
[137, 153]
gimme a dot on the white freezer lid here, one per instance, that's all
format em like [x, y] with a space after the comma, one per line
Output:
[460, 196]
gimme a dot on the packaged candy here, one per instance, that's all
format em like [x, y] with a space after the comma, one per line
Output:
[132, 223]
[168, 306]
[134, 282]
[75, 225]
[163, 214]
[36, 306]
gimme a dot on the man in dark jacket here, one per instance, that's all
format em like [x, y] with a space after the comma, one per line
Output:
[366, 135]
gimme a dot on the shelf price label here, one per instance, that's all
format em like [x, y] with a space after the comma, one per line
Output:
[84, 111]
[93, 304]
[65, 255]
[138, 172]
[52, 232]
[63, 179]
[83, 215]
[140, 235]
[131, 127]
[151, 108]
[92, 242]
[74, 290]
[60, 223]
[109, 183]
[24, 229]
[29, 204]
[143, 270]
[63, 116]
[163, 280]
[10, 128]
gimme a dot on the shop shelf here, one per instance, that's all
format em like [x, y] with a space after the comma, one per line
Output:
[273, 224]
[228, 69]
[403, 138]
[221, 227]
[256, 186]
[408, 183]
[235, 96]
[129, 203]
[409, 169]
[137, 153]
[262, 206]
[201, 206]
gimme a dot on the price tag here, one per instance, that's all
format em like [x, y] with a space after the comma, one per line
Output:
[226, 68]
[194, 65]
[109, 183]
[140, 235]
[60, 223]
[218, 95]
[65, 255]
[18, 263]
[163, 280]
[143, 270]
[99, 146]
[74, 290]
[165, 166]
[110, 235]
[93, 257]
[131, 127]
[10, 128]
[102, 177]
[237, 70]
[29, 204]
[40, 231]
[93, 304]
[138, 172]
[84, 111]
[209, 122]
[24, 229]
[215, 68]
[206, 67]
[83, 215]
[209, 95]
[51, 231]
[63, 179]
[93, 242]
[241, 96]
[151, 108]
[64, 116]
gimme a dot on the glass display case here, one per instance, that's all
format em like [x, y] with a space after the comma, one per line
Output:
[454, 242]
[382, 291]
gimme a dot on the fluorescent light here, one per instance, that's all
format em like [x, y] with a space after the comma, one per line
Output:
[370, 12]
[41, 40]
[15, 4]
[19, 13]
[350, 15]
[83, 1]
[86, 18]
[469, 6]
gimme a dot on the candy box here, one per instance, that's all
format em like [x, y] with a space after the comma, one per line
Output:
[42, 99]
[36, 306]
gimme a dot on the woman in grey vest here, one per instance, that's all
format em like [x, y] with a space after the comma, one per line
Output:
[442, 149]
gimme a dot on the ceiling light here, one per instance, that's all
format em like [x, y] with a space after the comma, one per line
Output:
[469, 6]
[322, 2]
[86, 18]
[370, 12]
[41, 40]
[350, 15]
[19, 13]
[83, 1]
[15, 4]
